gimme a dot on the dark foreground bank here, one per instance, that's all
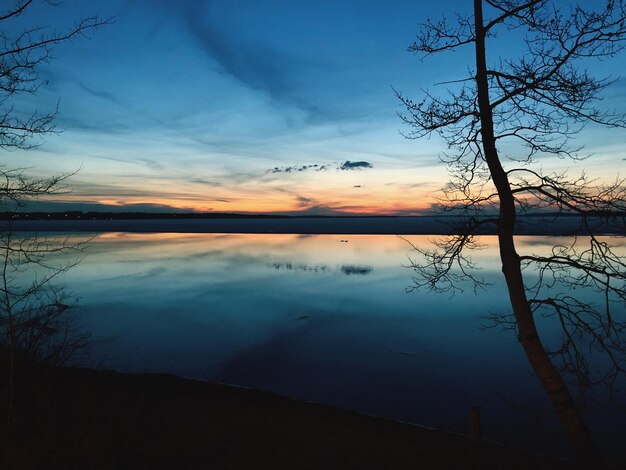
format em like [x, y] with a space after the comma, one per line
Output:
[91, 419]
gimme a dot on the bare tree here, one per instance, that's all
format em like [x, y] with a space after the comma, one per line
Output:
[33, 325]
[21, 55]
[531, 105]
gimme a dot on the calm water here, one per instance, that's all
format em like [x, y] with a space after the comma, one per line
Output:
[320, 318]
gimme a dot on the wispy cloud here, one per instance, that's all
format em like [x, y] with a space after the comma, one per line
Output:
[150, 163]
[59, 206]
[256, 66]
[104, 95]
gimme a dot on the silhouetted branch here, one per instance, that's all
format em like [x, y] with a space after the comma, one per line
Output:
[21, 54]
[16, 186]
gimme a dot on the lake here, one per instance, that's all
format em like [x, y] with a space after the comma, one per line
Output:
[323, 318]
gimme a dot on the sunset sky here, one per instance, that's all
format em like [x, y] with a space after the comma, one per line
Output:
[253, 106]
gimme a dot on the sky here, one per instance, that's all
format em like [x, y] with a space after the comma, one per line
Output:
[280, 106]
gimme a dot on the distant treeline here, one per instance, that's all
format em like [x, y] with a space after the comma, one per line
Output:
[79, 215]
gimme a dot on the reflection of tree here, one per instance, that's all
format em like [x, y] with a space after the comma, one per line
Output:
[531, 105]
[34, 326]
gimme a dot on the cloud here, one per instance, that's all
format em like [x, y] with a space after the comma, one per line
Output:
[312, 210]
[348, 165]
[103, 95]
[256, 66]
[294, 169]
[254, 63]
[148, 162]
[56, 206]
[304, 201]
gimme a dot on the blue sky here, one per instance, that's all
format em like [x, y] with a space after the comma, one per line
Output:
[229, 105]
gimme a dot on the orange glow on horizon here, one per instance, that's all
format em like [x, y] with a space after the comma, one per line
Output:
[367, 204]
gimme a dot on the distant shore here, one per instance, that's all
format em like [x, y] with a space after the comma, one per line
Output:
[549, 225]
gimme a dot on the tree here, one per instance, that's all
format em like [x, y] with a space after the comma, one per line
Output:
[33, 327]
[21, 55]
[532, 105]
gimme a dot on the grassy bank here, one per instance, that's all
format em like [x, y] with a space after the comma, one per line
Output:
[76, 418]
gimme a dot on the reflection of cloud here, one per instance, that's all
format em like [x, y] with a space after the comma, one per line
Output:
[299, 267]
[349, 270]
[150, 273]
[348, 165]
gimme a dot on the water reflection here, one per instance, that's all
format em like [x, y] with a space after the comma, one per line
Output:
[318, 268]
[320, 319]
[358, 270]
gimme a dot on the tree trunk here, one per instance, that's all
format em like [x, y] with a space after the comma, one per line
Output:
[551, 380]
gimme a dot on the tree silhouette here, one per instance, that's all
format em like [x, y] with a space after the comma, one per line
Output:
[33, 324]
[22, 52]
[497, 121]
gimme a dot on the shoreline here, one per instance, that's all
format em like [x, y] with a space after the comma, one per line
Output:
[374, 225]
[111, 419]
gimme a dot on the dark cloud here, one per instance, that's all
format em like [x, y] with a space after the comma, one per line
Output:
[103, 95]
[255, 65]
[57, 206]
[313, 209]
[95, 126]
[409, 186]
[295, 169]
[153, 164]
[348, 165]
[304, 201]
[202, 181]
